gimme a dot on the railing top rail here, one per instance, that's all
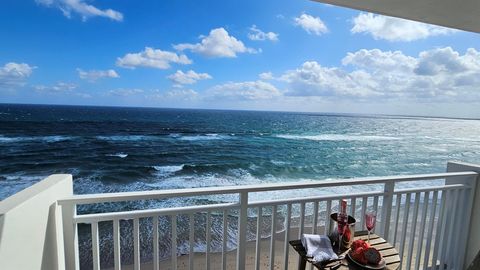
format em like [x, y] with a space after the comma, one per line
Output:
[162, 194]
[125, 215]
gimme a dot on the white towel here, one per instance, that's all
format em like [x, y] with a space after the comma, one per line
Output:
[319, 247]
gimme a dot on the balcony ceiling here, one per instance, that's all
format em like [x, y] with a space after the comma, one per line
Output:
[463, 14]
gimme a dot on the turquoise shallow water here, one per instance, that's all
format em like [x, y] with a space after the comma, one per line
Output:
[126, 149]
[119, 149]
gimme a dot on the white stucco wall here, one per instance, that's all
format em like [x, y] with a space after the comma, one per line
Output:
[473, 242]
[29, 238]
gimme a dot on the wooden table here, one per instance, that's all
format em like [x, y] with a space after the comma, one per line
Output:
[389, 253]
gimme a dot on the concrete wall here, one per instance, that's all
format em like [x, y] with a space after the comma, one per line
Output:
[473, 235]
[30, 226]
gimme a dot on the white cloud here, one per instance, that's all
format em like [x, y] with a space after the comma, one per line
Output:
[60, 87]
[439, 74]
[81, 8]
[14, 74]
[311, 24]
[217, 44]
[266, 76]
[189, 77]
[153, 58]
[181, 94]
[93, 75]
[121, 92]
[250, 90]
[257, 34]
[395, 29]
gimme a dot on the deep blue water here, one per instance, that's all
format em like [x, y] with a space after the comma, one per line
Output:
[110, 149]
[123, 149]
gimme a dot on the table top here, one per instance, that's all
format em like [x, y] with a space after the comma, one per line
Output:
[389, 253]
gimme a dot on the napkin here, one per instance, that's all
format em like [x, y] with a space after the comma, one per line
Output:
[318, 247]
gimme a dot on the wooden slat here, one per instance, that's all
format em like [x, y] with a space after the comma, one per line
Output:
[95, 247]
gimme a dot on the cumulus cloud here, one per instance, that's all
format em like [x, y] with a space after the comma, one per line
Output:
[266, 76]
[257, 34]
[121, 92]
[437, 74]
[81, 8]
[14, 74]
[395, 29]
[152, 58]
[250, 90]
[93, 75]
[217, 44]
[189, 77]
[60, 87]
[311, 24]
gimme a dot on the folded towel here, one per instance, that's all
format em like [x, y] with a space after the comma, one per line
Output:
[319, 247]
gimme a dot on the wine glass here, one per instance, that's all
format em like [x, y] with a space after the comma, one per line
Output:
[370, 219]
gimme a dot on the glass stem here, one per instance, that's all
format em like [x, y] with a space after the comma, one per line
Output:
[369, 236]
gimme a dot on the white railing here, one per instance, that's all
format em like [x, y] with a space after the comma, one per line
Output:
[427, 224]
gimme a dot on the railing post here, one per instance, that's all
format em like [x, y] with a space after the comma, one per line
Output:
[70, 235]
[387, 208]
[469, 245]
[242, 230]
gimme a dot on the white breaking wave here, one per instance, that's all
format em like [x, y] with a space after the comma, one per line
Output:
[337, 137]
[206, 137]
[120, 155]
[48, 139]
[168, 170]
[124, 138]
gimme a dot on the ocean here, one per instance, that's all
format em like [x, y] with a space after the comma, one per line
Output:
[112, 149]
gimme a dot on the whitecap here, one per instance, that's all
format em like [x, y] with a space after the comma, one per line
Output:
[120, 155]
[168, 170]
[124, 138]
[337, 137]
[206, 137]
[48, 139]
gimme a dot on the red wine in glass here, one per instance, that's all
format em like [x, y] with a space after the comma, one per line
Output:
[370, 219]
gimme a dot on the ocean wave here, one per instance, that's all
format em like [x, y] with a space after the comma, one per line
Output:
[206, 137]
[337, 137]
[48, 139]
[125, 138]
[120, 155]
[168, 170]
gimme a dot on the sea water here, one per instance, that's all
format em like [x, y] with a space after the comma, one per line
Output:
[112, 149]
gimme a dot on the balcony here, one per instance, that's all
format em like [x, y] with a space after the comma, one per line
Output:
[431, 223]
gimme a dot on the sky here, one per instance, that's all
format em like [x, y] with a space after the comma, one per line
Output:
[291, 55]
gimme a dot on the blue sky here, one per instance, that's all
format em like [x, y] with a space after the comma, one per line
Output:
[264, 55]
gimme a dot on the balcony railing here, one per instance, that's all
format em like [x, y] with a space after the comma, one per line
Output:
[427, 222]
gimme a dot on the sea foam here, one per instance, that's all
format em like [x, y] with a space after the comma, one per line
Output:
[337, 137]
